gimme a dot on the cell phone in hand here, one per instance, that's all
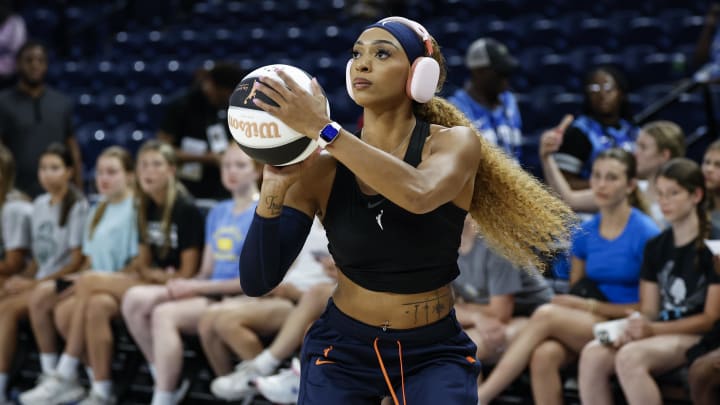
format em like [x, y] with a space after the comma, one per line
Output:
[62, 284]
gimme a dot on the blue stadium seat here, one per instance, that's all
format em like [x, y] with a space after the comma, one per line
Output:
[75, 74]
[150, 105]
[87, 109]
[636, 101]
[556, 69]
[503, 31]
[541, 103]
[546, 33]
[645, 31]
[567, 103]
[660, 68]
[688, 112]
[116, 109]
[530, 58]
[502, 9]
[689, 30]
[93, 138]
[41, 23]
[172, 75]
[594, 32]
[131, 137]
[107, 74]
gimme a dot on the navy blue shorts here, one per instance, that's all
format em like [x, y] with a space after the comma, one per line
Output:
[347, 362]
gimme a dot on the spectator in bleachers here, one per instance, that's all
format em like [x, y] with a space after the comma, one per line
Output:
[704, 373]
[196, 125]
[15, 214]
[707, 50]
[234, 327]
[13, 35]
[658, 142]
[486, 99]
[711, 172]
[605, 123]
[679, 298]
[58, 219]
[177, 306]
[606, 258]
[170, 240]
[495, 298]
[33, 115]
[110, 242]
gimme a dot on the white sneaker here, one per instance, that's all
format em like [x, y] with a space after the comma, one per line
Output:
[179, 394]
[236, 385]
[96, 399]
[283, 387]
[53, 390]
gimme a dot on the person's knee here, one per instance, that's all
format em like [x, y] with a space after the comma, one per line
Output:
[544, 315]
[136, 302]
[164, 316]
[42, 296]
[593, 357]
[100, 309]
[629, 360]
[548, 356]
[701, 372]
[206, 326]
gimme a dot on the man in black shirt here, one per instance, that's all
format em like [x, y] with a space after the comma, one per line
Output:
[196, 125]
[32, 116]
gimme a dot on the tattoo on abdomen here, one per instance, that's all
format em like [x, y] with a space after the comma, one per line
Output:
[433, 305]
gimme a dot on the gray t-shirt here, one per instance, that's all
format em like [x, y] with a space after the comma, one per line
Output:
[51, 244]
[28, 126]
[484, 274]
[15, 224]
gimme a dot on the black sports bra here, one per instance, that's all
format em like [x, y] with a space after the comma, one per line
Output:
[383, 247]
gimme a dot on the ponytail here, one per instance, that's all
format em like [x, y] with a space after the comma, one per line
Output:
[515, 213]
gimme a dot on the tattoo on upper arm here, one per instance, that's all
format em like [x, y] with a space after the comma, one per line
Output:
[273, 204]
[434, 305]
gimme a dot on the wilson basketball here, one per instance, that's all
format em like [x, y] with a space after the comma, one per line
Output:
[262, 136]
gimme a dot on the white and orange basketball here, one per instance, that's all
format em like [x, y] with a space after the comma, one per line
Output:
[262, 136]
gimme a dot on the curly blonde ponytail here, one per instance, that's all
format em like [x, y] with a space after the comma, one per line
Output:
[516, 214]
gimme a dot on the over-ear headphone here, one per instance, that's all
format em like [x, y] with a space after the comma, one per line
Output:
[424, 72]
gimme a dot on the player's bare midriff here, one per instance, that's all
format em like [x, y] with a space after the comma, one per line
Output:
[389, 310]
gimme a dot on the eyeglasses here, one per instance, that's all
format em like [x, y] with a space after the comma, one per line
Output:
[597, 88]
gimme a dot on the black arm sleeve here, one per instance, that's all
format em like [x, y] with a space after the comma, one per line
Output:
[270, 247]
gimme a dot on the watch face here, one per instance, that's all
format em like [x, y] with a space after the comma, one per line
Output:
[329, 132]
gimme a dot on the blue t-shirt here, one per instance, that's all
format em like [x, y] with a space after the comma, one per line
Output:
[225, 232]
[114, 241]
[586, 138]
[501, 125]
[614, 265]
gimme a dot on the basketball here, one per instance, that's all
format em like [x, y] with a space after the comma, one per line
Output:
[262, 136]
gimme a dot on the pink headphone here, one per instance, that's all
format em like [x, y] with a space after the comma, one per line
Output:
[424, 72]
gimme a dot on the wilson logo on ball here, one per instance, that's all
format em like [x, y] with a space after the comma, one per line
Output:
[255, 129]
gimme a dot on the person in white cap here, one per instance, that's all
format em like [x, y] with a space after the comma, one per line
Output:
[486, 99]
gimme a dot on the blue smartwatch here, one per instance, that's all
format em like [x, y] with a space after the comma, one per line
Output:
[328, 134]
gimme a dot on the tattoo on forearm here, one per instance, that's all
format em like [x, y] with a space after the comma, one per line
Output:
[273, 204]
[436, 305]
